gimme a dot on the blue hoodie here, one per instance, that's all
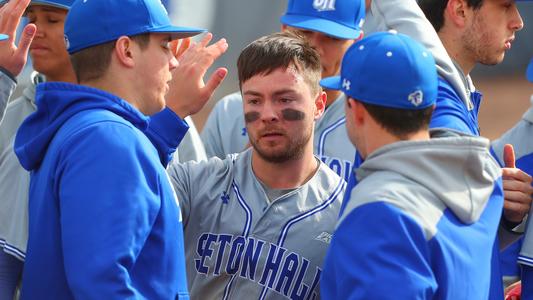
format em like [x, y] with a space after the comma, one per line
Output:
[104, 220]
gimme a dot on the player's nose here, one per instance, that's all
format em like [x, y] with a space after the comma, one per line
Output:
[268, 112]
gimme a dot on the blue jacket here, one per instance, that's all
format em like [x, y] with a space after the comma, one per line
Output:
[450, 113]
[103, 218]
[419, 225]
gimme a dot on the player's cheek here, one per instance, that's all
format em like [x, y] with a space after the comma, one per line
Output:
[251, 116]
[290, 114]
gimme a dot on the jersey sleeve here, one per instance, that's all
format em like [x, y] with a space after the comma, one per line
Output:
[107, 209]
[166, 130]
[7, 86]
[191, 147]
[377, 246]
[211, 134]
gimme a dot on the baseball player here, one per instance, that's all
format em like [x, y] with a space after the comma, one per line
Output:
[51, 61]
[330, 27]
[104, 221]
[257, 224]
[520, 137]
[425, 210]
[480, 32]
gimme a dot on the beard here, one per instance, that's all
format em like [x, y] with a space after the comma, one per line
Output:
[479, 41]
[292, 150]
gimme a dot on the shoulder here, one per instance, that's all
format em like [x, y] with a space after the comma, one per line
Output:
[400, 193]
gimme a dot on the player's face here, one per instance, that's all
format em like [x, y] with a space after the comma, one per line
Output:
[154, 72]
[279, 110]
[490, 31]
[330, 49]
[48, 52]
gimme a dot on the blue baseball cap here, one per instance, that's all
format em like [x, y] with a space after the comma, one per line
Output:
[94, 22]
[387, 69]
[63, 4]
[3, 37]
[529, 71]
[338, 18]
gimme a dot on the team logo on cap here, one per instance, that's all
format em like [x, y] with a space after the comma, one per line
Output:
[346, 84]
[67, 43]
[324, 5]
[416, 98]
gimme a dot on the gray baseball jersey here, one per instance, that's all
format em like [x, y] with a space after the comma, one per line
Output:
[191, 146]
[238, 246]
[225, 133]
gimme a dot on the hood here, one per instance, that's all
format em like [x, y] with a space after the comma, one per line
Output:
[56, 103]
[444, 166]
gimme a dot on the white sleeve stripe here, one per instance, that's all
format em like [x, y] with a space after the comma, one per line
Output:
[524, 260]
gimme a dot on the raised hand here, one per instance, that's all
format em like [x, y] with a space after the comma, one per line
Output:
[188, 92]
[13, 57]
[517, 188]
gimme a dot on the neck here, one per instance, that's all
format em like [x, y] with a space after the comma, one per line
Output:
[332, 95]
[112, 86]
[285, 175]
[63, 76]
[454, 46]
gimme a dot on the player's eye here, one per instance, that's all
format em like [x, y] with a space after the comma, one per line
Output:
[252, 101]
[285, 100]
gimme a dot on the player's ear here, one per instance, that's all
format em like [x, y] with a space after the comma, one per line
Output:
[359, 111]
[320, 104]
[457, 12]
[361, 36]
[124, 51]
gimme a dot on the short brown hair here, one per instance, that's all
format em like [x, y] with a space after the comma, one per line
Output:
[434, 10]
[400, 122]
[92, 63]
[280, 50]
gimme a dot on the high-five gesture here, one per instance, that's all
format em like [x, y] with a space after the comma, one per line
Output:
[188, 92]
[13, 57]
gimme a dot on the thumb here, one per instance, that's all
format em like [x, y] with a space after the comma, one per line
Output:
[508, 156]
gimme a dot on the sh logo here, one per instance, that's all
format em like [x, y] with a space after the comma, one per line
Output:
[324, 5]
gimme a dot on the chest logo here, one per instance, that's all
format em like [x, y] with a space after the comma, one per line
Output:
[225, 198]
[324, 237]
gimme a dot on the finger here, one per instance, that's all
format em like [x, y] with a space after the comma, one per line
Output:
[517, 209]
[518, 198]
[517, 185]
[215, 80]
[25, 40]
[516, 174]
[508, 156]
[184, 45]
[206, 39]
[218, 48]
[14, 15]
[174, 46]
